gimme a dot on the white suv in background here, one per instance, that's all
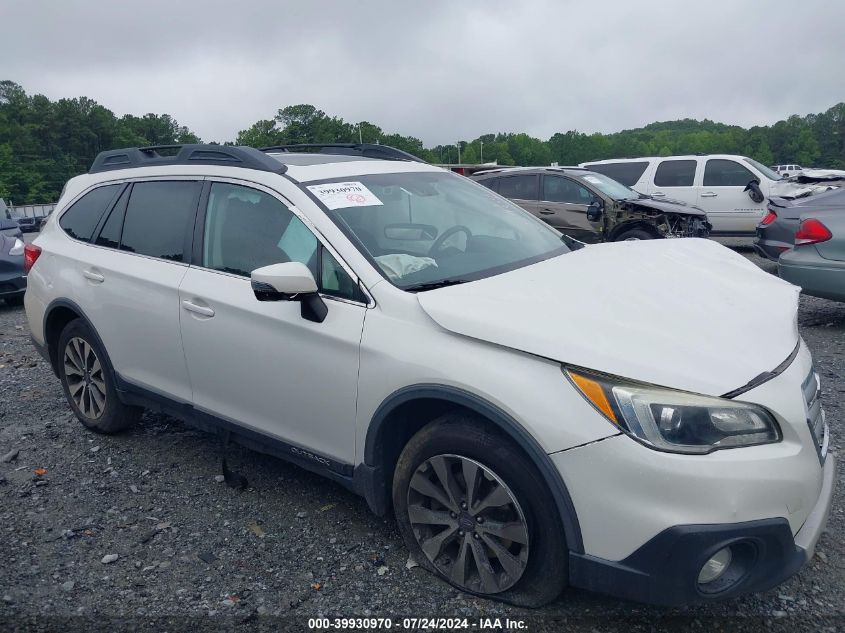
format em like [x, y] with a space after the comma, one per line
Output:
[717, 183]
[522, 405]
[786, 171]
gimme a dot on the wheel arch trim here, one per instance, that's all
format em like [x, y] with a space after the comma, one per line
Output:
[73, 306]
[495, 415]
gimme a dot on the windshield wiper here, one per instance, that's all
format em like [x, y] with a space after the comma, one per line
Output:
[434, 285]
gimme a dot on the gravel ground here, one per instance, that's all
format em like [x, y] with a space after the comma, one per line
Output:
[293, 545]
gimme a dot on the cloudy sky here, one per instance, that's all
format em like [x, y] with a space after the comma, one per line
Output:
[440, 70]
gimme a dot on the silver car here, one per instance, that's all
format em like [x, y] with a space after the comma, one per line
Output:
[817, 261]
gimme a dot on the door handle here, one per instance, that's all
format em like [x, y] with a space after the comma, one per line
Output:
[546, 212]
[709, 194]
[658, 194]
[201, 310]
[90, 275]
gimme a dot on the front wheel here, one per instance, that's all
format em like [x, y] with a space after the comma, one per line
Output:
[634, 235]
[473, 509]
[88, 381]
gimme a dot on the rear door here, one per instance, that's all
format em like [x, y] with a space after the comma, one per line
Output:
[564, 203]
[674, 179]
[524, 190]
[131, 275]
[722, 195]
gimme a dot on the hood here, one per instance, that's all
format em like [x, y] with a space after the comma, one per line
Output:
[665, 206]
[688, 314]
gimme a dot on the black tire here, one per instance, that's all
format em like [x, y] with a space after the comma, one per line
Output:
[634, 234]
[14, 301]
[112, 415]
[461, 437]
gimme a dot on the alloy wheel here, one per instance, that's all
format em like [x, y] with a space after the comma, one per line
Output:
[468, 523]
[85, 380]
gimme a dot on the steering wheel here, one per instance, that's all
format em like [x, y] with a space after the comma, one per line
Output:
[438, 243]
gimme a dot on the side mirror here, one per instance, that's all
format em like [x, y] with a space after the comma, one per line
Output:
[595, 210]
[754, 191]
[291, 281]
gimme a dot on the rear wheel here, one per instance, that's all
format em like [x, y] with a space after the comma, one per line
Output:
[474, 510]
[88, 381]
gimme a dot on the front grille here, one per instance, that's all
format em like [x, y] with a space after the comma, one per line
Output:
[815, 414]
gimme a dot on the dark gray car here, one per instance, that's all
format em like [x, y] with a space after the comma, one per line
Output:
[12, 278]
[10, 228]
[592, 207]
[776, 231]
[817, 261]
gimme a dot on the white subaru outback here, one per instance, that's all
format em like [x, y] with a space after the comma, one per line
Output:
[636, 418]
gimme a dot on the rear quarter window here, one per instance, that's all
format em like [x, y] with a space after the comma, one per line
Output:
[626, 173]
[82, 218]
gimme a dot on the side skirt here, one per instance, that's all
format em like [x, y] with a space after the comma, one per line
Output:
[339, 472]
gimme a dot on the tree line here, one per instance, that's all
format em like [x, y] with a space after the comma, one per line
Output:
[43, 143]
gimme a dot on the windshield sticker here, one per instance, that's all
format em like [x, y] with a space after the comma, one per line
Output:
[341, 195]
[592, 179]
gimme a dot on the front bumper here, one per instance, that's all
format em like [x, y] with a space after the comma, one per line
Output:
[665, 570]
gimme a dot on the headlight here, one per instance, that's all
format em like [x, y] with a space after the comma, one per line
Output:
[17, 248]
[676, 421]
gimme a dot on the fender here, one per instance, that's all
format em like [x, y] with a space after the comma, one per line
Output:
[71, 305]
[372, 479]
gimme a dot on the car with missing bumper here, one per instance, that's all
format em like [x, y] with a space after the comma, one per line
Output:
[532, 414]
[592, 207]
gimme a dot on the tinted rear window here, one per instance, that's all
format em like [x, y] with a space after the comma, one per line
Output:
[157, 218]
[675, 173]
[82, 218]
[626, 173]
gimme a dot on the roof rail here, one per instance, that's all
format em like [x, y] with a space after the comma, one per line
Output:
[366, 150]
[227, 155]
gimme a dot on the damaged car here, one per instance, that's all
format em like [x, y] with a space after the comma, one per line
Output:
[813, 190]
[535, 415]
[592, 207]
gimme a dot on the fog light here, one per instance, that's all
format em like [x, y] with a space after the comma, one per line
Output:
[715, 567]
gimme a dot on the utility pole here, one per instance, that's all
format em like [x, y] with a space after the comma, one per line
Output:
[360, 137]
[458, 145]
[482, 151]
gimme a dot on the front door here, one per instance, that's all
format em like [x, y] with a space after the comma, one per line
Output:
[261, 364]
[722, 195]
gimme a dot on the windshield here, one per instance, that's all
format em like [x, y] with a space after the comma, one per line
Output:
[425, 229]
[610, 187]
[768, 173]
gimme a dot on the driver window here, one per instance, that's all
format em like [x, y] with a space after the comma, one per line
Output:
[246, 229]
[719, 172]
[559, 189]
